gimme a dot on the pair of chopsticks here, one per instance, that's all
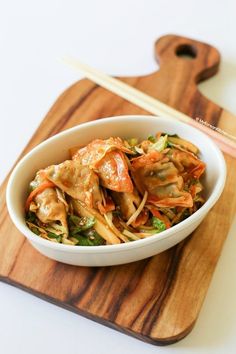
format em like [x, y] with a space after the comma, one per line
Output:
[226, 143]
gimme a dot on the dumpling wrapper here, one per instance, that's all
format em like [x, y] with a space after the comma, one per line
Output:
[114, 173]
[162, 180]
[95, 151]
[187, 162]
[49, 208]
[80, 182]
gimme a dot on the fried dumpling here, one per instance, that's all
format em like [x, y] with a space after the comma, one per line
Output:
[78, 181]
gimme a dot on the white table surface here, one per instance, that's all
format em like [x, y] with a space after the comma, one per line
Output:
[117, 37]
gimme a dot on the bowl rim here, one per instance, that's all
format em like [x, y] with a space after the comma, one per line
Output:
[200, 213]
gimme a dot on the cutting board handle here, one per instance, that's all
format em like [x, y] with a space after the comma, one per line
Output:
[179, 55]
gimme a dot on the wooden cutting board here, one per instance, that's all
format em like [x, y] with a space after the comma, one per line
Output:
[158, 299]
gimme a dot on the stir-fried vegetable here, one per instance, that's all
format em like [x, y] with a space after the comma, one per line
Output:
[113, 191]
[81, 229]
[158, 225]
[160, 144]
[79, 224]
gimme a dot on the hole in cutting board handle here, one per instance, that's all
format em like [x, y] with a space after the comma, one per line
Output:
[186, 51]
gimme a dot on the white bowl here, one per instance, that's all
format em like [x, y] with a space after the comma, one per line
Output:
[55, 150]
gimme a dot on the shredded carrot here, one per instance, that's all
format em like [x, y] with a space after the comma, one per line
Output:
[163, 218]
[108, 205]
[141, 219]
[192, 190]
[37, 190]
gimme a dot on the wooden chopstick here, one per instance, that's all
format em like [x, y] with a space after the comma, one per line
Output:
[151, 104]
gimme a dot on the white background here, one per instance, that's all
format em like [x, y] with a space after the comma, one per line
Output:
[116, 37]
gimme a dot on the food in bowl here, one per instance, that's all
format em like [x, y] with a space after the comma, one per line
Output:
[116, 190]
[55, 150]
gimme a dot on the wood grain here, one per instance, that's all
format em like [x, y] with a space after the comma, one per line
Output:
[158, 299]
